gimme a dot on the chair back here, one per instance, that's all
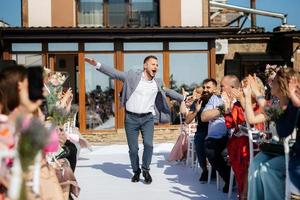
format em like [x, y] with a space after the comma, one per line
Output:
[253, 137]
[287, 142]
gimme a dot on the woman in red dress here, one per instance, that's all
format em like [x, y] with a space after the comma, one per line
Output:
[238, 144]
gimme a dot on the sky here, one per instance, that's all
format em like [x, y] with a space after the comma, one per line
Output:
[10, 11]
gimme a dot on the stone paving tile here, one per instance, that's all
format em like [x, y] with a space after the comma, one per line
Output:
[119, 137]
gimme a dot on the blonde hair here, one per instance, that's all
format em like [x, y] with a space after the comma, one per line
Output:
[261, 85]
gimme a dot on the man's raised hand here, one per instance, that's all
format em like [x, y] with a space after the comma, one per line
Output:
[90, 61]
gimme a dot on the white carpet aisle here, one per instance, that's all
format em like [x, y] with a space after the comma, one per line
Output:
[104, 174]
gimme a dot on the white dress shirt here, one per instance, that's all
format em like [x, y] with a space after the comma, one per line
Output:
[98, 66]
[142, 100]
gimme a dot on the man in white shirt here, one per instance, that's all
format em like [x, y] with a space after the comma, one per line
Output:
[144, 99]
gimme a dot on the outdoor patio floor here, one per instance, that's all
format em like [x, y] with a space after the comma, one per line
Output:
[105, 174]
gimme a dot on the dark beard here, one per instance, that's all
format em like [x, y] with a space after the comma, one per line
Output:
[205, 97]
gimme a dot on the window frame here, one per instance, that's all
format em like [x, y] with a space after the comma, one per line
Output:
[128, 11]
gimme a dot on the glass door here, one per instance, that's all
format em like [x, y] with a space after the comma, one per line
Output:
[100, 95]
[66, 63]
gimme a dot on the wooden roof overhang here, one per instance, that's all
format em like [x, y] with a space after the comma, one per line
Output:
[67, 34]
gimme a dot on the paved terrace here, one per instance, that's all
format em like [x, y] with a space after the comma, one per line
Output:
[105, 174]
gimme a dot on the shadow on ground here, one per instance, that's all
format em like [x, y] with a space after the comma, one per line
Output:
[113, 169]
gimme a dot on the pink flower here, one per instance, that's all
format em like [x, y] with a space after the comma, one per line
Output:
[53, 144]
[26, 123]
[54, 82]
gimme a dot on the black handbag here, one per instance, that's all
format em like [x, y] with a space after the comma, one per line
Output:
[276, 149]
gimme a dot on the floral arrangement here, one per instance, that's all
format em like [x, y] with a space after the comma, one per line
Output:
[54, 84]
[34, 136]
[58, 78]
[273, 112]
[271, 70]
[59, 116]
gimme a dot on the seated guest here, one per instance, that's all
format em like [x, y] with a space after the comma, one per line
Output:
[217, 137]
[285, 127]
[209, 87]
[238, 143]
[267, 172]
[179, 150]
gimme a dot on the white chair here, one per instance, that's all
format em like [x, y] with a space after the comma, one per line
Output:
[209, 167]
[286, 143]
[191, 151]
[230, 183]
[190, 157]
[218, 178]
[250, 133]
[218, 181]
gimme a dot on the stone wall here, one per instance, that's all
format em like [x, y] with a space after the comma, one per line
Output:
[119, 137]
[244, 45]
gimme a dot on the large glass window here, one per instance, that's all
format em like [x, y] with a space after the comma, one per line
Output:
[28, 59]
[117, 13]
[135, 61]
[188, 46]
[90, 13]
[100, 107]
[63, 46]
[98, 46]
[26, 46]
[186, 70]
[143, 13]
[143, 46]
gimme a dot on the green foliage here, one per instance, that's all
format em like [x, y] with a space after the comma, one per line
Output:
[273, 112]
[59, 116]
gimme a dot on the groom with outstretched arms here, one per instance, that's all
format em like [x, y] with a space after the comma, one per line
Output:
[144, 99]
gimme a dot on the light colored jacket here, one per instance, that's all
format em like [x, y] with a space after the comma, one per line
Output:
[131, 80]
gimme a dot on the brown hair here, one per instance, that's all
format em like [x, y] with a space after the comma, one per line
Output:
[9, 79]
[283, 77]
[3, 108]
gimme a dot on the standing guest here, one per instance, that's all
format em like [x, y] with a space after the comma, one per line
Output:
[145, 102]
[209, 87]
[217, 136]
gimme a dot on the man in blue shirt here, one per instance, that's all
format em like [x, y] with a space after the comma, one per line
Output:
[216, 140]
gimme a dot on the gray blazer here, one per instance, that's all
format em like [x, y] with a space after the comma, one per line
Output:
[131, 80]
